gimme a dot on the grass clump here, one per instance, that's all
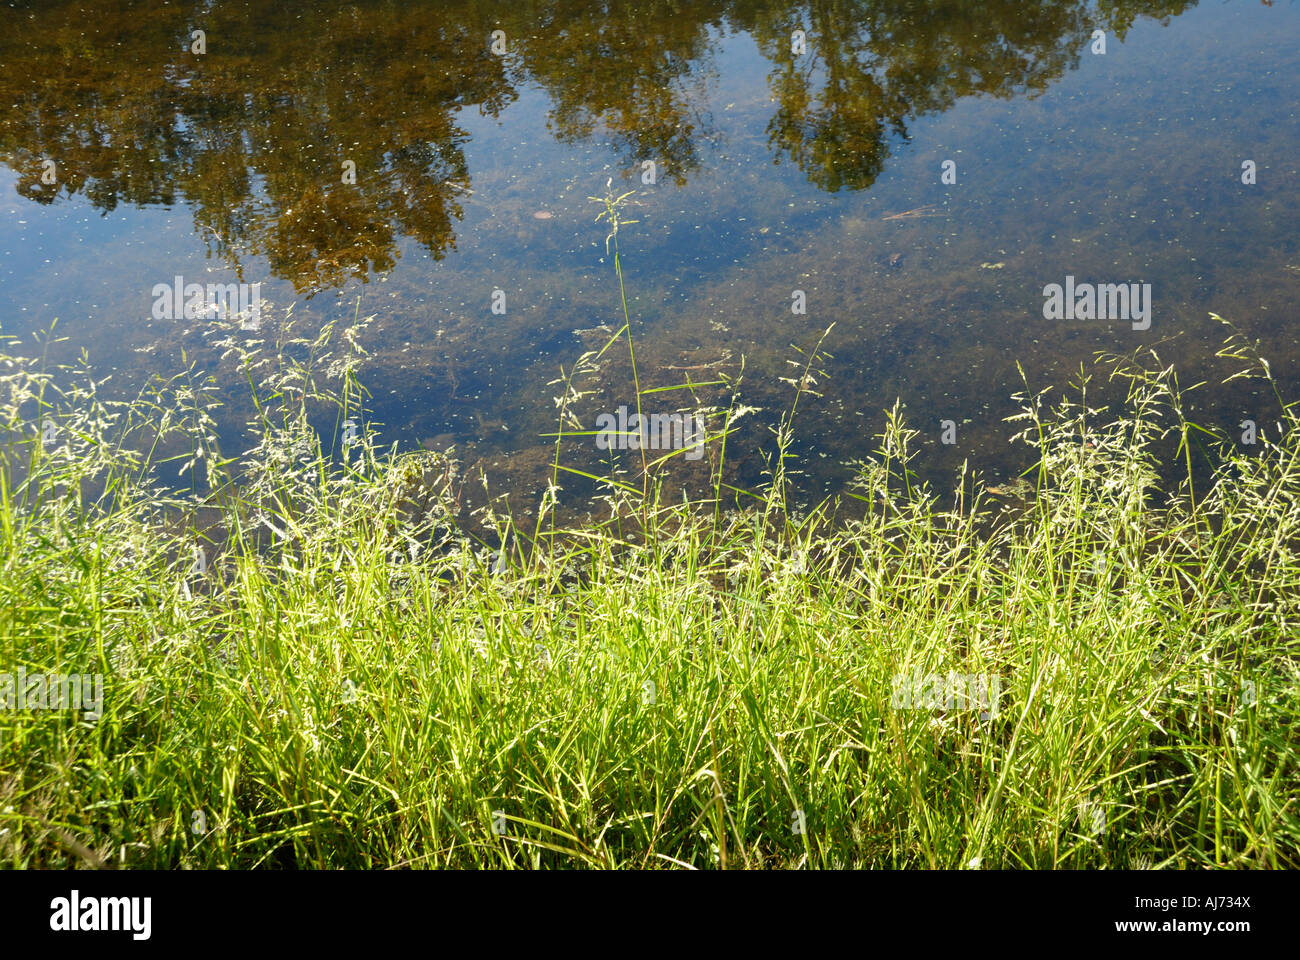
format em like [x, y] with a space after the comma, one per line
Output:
[355, 680]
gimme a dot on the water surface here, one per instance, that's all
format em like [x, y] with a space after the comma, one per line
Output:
[775, 171]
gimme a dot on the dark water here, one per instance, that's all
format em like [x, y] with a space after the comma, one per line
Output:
[775, 172]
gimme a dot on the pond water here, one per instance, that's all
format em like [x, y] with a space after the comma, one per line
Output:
[919, 171]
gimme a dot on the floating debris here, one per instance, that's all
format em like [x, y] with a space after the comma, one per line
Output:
[1020, 487]
[925, 211]
[720, 360]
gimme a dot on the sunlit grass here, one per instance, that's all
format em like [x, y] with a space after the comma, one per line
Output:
[356, 681]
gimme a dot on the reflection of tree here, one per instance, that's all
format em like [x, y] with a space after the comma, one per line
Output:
[1117, 16]
[256, 140]
[623, 70]
[871, 66]
[253, 135]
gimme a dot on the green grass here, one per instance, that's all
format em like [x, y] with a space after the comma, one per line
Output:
[362, 676]
[369, 685]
